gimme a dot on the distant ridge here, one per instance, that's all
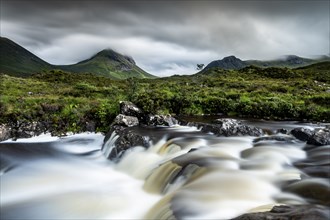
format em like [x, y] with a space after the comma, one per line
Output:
[16, 60]
[289, 61]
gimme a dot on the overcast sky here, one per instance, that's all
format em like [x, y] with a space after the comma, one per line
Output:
[168, 37]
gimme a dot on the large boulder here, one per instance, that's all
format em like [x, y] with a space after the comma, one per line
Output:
[130, 109]
[320, 137]
[302, 133]
[124, 120]
[228, 127]
[285, 212]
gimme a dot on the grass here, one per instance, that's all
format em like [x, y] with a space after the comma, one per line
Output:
[69, 102]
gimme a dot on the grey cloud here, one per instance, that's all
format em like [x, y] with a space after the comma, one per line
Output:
[159, 33]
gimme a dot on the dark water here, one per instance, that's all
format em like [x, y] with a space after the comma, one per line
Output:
[184, 174]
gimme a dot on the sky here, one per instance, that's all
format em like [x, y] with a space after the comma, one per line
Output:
[168, 37]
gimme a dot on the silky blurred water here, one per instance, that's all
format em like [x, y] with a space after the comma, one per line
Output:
[190, 175]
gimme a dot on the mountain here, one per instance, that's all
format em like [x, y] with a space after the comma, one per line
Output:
[108, 63]
[230, 62]
[290, 61]
[16, 60]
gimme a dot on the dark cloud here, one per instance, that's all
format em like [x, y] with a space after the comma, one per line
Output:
[168, 37]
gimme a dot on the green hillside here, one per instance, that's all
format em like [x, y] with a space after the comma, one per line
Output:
[110, 64]
[17, 61]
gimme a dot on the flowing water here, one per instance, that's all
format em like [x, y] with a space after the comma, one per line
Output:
[185, 174]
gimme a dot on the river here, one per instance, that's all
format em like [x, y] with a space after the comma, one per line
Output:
[186, 173]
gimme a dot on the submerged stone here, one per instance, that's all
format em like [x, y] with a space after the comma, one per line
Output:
[285, 212]
[228, 127]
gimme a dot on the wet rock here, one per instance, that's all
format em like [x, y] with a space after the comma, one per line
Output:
[130, 109]
[124, 120]
[90, 126]
[160, 120]
[302, 133]
[281, 131]
[4, 132]
[277, 138]
[315, 190]
[126, 139]
[228, 127]
[27, 129]
[320, 137]
[284, 212]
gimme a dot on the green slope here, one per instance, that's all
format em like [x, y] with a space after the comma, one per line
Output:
[17, 61]
[110, 64]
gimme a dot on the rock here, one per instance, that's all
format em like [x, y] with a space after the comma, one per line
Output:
[160, 120]
[285, 212]
[281, 131]
[320, 137]
[125, 140]
[277, 138]
[315, 190]
[130, 109]
[228, 127]
[27, 129]
[124, 120]
[301, 133]
[4, 132]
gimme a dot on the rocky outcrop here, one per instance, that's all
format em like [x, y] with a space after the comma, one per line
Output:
[4, 132]
[122, 131]
[160, 120]
[124, 140]
[130, 109]
[317, 137]
[320, 137]
[127, 121]
[285, 212]
[302, 133]
[227, 127]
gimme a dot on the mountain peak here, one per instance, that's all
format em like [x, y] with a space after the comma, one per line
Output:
[229, 62]
[113, 55]
[16, 60]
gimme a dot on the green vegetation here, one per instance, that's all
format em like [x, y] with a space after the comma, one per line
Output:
[108, 63]
[17, 61]
[70, 101]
